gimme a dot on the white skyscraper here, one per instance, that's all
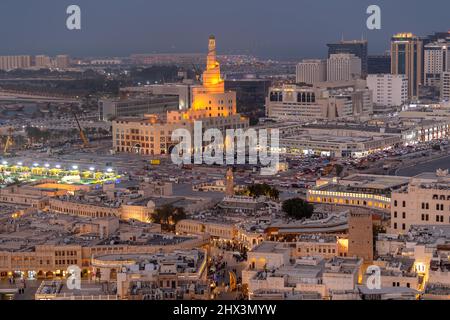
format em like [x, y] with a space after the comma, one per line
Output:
[311, 71]
[343, 67]
[388, 90]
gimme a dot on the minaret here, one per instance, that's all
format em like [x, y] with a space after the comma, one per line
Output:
[229, 186]
[211, 77]
[211, 61]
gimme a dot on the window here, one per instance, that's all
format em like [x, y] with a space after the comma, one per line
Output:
[395, 203]
[404, 204]
[404, 215]
[395, 225]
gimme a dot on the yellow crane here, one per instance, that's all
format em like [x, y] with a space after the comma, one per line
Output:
[9, 141]
[82, 134]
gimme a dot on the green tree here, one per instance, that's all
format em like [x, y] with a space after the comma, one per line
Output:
[168, 215]
[297, 208]
[257, 190]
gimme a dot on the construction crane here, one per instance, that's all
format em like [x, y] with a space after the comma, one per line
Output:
[9, 141]
[82, 134]
[197, 72]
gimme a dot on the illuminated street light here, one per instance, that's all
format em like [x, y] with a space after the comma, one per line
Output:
[19, 164]
[46, 165]
[74, 167]
[5, 162]
[109, 170]
[35, 164]
[58, 166]
[91, 169]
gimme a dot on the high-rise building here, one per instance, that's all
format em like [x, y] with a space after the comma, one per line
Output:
[343, 67]
[445, 86]
[14, 62]
[311, 71]
[360, 235]
[357, 47]
[436, 61]
[250, 93]
[42, 61]
[379, 64]
[62, 61]
[406, 58]
[388, 90]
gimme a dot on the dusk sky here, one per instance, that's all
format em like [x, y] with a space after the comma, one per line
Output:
[282, 29]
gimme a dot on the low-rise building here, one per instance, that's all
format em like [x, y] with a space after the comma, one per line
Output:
[425, 201]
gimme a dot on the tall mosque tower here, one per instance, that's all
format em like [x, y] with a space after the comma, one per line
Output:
[229, 182]
[212, 106]
[212, 81]
[211, 97]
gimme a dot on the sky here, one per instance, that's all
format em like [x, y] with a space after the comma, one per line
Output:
[279, 29]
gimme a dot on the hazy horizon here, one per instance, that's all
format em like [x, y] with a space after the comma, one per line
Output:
[285, 30]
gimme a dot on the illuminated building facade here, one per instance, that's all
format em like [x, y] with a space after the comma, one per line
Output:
[359, 190]
[406, 58]
[211, 104]
[424, 202]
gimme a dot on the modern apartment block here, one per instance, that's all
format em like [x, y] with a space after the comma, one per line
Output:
[359, 48]
[15, 62]
[343, 67]
[388, 90]
[311, 71]
[436, 61]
